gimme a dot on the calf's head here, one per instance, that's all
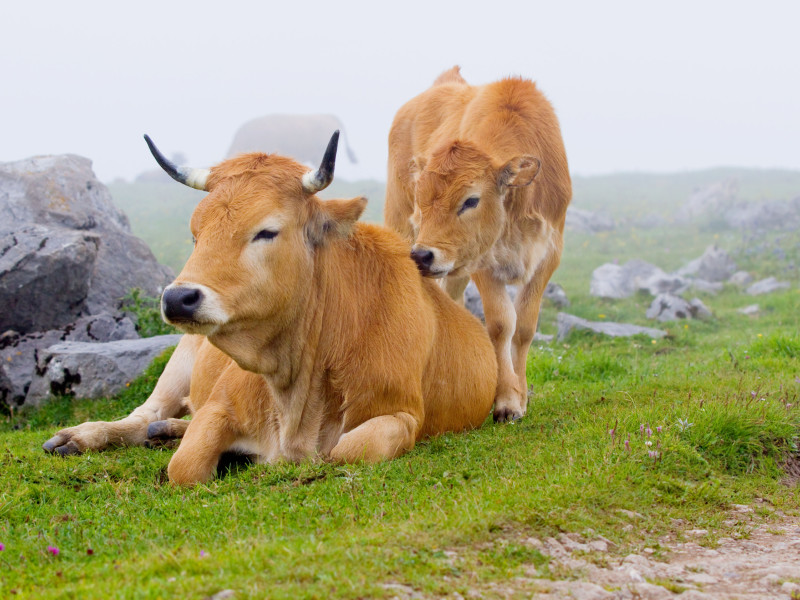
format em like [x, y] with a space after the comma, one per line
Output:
[257, 235]
[459, 208]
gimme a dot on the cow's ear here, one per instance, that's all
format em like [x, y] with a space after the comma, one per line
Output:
[334, 218]
[416, 166]
[519, 171]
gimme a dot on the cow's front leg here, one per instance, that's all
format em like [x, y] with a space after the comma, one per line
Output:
[209, 434]
[501, 318]
[166, 401]
[377, 439]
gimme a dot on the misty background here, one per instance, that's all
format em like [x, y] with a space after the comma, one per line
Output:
[637, 86]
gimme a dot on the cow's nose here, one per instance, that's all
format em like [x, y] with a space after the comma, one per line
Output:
[180, 303]
[423, 257]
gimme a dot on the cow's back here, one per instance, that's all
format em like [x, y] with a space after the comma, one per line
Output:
[461, 375]
[396, 329]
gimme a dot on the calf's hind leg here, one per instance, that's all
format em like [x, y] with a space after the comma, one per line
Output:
[377, 439]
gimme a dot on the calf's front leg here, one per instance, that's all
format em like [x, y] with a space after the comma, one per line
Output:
[501, 319]
[166, 401]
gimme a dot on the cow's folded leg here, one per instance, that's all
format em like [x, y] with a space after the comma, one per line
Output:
[166, 401]
[379, 438]
[167, 429]
[209, 434]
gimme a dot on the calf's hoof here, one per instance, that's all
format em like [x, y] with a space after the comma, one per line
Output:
[507, 415]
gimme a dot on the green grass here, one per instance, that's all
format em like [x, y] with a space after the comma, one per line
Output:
[454, 514]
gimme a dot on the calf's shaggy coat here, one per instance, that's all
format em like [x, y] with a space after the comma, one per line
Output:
[478, 181]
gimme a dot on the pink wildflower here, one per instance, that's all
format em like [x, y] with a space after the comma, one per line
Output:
[658, 429]
[53, 550]
[648, 432]
[752, 394]
[2, 547]
[628, 445]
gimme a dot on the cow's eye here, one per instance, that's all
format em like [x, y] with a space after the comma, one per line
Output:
[194, 241]
[470, 202]
[265, 234]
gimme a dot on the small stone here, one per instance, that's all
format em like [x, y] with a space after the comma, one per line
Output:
[702, 578]
[598, 545]
[767, 286]
[697, 532]
[635, 576]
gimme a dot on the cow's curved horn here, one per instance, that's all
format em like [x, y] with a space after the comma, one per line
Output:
[314, 181]
[195, 178]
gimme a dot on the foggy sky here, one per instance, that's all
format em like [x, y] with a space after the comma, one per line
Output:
[637, 86]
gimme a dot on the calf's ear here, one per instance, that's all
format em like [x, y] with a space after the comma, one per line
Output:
[519, 171]
[334, 218]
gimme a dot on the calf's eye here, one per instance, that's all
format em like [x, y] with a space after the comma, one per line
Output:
[470, 202]
[265, 234]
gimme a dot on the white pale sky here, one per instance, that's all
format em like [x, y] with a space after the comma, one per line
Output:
[638, 85]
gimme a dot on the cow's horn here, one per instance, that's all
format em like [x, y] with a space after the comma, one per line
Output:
[195, 178]
[314, 181]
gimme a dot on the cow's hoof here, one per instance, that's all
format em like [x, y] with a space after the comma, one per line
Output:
[68, 449]
[61, 444]
[507, 415]
[160, 430]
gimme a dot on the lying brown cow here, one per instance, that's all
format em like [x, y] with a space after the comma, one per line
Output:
[478, 178]
[314, 335]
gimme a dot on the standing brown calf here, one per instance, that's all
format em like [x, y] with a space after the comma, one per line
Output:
[312, 335]
[478, 178]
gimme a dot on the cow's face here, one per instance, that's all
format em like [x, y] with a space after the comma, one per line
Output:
[459, 211]
[256, 235]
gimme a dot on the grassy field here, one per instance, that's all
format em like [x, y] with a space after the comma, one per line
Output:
[720, 397]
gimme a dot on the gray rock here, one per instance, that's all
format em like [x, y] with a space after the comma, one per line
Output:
[700, 310]
[19, 353]
[556, 294]
[741, 278]
[93, 370]
[567, 322]
[615, 281]
[714, 265]
[587, 221]
[610, 281]
[45, 275]
[750, 310]
[707, 287]
[708, 199]
[668, 307]
[767, 286]
[62, 196]
[770, 214]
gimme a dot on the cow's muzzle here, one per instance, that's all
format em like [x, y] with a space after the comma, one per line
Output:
[180, 304]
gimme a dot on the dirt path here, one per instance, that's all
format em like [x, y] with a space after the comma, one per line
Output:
[763, 564]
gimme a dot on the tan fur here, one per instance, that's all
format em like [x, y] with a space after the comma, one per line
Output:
[500, 142]
[325, 340]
